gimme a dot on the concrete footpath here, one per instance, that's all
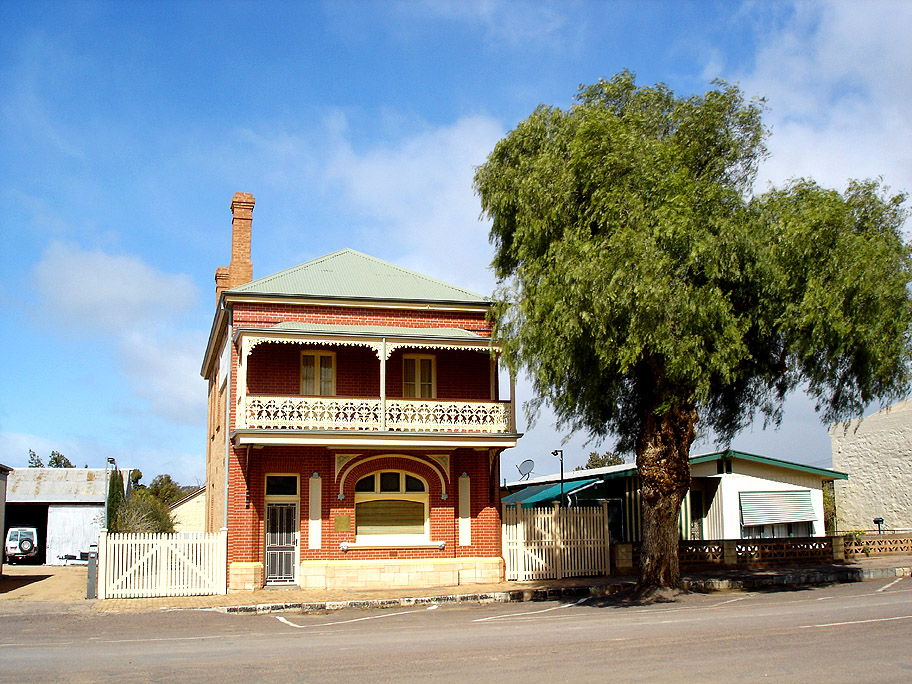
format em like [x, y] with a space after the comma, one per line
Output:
[63, 588]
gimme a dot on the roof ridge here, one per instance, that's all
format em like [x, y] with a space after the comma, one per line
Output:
[311, 269]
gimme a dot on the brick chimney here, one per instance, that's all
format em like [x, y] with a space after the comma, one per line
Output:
[240, 270]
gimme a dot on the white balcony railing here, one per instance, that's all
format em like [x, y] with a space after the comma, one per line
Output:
[402, 415]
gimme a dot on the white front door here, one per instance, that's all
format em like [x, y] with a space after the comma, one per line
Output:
[281, 542]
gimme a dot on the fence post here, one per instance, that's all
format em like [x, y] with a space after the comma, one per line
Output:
[558, 540]
[730, 551]
[222, 561]
[623, 557]
[102, 579]
[838, 547]
[607, 538]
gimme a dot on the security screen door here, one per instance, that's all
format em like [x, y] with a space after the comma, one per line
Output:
[281, 542]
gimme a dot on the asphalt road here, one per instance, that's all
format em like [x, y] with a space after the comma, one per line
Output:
[843, 633]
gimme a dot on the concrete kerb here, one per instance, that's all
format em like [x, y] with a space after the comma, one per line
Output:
[513, 596]
[797, 578]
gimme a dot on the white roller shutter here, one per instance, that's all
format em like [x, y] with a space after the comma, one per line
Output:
[769, 508]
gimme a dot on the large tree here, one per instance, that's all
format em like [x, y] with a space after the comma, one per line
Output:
[647, 290]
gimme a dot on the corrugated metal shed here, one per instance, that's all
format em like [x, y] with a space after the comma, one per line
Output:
[57, 485]
[352, 275]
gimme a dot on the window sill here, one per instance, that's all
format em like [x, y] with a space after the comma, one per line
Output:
[345, 546]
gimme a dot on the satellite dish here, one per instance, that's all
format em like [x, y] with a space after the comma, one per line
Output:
[525, 468]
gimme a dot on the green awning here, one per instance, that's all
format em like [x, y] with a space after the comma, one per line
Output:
[546, 493]
[770, 508]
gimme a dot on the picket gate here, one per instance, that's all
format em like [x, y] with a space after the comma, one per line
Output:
[152, 565]
[554, 542]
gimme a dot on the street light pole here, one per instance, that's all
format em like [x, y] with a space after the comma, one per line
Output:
[560, 453]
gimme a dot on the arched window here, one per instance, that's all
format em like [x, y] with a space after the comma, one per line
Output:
[391, 507]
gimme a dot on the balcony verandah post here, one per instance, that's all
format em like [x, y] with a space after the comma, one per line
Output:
[383, 384]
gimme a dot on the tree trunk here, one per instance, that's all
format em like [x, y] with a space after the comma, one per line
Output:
[663, 451]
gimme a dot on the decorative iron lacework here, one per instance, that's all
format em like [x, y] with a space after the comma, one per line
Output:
[446, 416]
[370, 344]
[402, 415]
[374, 345]
[314, 413]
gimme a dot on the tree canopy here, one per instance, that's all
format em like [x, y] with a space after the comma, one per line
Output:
[646, 289]
[597, 460]
[57, 460]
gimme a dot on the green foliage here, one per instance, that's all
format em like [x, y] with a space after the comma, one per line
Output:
[58, 460]
[135, 477]
[829, 508]
[165, 489]
[632, 262]
[645, 290]
[115, 499]
[597, 460]
[144, 513]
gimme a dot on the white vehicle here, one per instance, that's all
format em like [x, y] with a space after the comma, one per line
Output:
[21, 543]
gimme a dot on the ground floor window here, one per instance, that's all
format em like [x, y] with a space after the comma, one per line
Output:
[778, 530]
[391, 507]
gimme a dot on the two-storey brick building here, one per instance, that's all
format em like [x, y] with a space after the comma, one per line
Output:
[355, 425]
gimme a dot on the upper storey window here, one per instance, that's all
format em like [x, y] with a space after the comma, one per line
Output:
[419, 377]
[318, 373]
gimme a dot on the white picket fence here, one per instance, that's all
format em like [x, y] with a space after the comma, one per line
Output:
[150, 565]
[552, 543]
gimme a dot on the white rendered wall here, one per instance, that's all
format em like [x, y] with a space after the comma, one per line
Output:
[71, 529]
[876, 453]
[191, 515]
[724, 514]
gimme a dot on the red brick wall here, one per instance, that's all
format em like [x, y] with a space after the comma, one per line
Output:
[265, 315]
[276, 369]
[246, 523]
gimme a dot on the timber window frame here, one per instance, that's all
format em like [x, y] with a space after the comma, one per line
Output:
[392, 508]
[419, 376]
[318, 373]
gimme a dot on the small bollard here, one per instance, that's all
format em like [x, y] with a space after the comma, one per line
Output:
[92, 575]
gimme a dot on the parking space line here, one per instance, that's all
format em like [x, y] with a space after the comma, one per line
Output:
[884, 588]
[858, 622]
[343, 622]
[532, 612]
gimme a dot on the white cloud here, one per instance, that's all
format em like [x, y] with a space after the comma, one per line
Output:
[163, 366]
[420, 194]
[837, 79]
[93, 290]
[139, 308]
[504, 23]
[184, 468]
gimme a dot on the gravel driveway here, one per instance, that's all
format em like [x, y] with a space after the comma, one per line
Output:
[54, 583]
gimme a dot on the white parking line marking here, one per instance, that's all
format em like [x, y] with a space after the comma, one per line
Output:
[532, 612]
[859, 622]
[890, 584]
[740, 598]
[343, 622]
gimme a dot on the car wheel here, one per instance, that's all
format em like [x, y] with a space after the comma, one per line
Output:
[26, 545]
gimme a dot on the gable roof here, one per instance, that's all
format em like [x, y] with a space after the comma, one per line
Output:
[348, 274]
[58, 485]
[629, 469]
[766, 460]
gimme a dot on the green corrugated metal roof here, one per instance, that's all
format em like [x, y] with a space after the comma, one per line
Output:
[546, 493]
[348, 274]
[378, 330]
[731, 453]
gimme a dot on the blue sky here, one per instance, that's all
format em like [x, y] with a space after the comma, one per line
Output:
[125, 128]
